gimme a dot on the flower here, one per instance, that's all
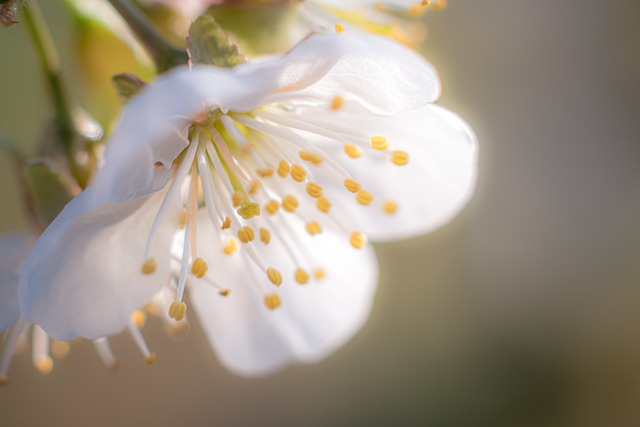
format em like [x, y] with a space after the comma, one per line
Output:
[260, 183]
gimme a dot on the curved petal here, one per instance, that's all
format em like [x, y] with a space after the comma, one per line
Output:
[314, 319]
[14, 248]
[429, 191]
[82, 277]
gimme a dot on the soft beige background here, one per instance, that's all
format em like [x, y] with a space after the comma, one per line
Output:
[525, 311]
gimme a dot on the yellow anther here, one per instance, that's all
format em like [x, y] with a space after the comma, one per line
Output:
[224, 292]
[231, 246]
[254, 187]
[272, 207]
[226, 224]
[274, 276]
[60, 349]
[199, 268]
[390, 207]
[272, 301]
[149, 266]
[337, 102]
[265, 236]
[364, 197]
[313, 228]
[237, 199]
[339, 28]
[352, 151]
[289, 203]
[351, 185]
[314, 190]
[400, 158]
[298, 173]
[323, 204]
[358, 240]
[301, 276]
[249, 210]
[138, 318]
[179, 311]
[265, 172]
[173, 309]
[283, 168]
[379, 143]
[311, 157]
[44, 365]
[416, 9]
[246, 234]
[151, 360]
[184, 216]
[425, 2]
[319, 274]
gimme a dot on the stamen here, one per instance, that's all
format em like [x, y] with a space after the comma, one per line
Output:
[379, 143]
[352, 185]
[313, 228]
[289, 203]
[283, 168]
[323, 204]
[149, 266]
[301, 276]
[319, 274]
[40, 353]
[138, 339]
[298, 173]
[60, 349]
[311, 157]
[9, 349]
[199, 268]
[399, 158]
[224, 292]
[364, 197]
[358, 240]
[249, 210]
[352, 151]
[339, 28]
[231, 246]
[138, 318]
[314, 190]
[254, 187]
[336, 102]
[265, 236]
[272, 207]
[272, 301]
[226, 224]
[237, 199]
[105, 353]
[182, 221]
[274, 276]
[390, 207]
[177, 310]
[265, 173]
[246, 234]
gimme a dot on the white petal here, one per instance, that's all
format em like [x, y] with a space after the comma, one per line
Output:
[429, 191]
[82, 277]
[14, 248]
[314, 319]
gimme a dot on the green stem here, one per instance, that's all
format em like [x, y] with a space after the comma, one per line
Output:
[164, 54]
[48, 56]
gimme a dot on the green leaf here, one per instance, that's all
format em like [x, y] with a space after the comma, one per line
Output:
[208, 44]
[48, 190]
[127, 84]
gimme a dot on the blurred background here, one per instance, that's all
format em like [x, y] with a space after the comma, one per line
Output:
[524, 311]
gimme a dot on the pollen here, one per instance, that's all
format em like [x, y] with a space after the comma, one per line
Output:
[289, 203]
[138, 318]
[379, 143]
[283, 168]
[44, 365]
[311, 157]
[417, 9]
[351, 185]
[298, 173]
[314, 190]
[237, 199]
[399, 158]
[226, 224]
[60, 349]
[352, 151]
[265, 236]
[319, 273]
[337, 102]
[224, 292]
[151, 359]
[272, 301]
[339, 28]
[231, 246]
[425, 3]
[149, 266]
[254, 187]
[274, 276]
[177, 310]
[182, 221]
[272, 207]
[313, 228]
[199, 268]
[358, 240]
[364, 197]
[323, 204]
[265, 172]
[301, 276]
[390, 207]
[246, 234]
[249, 210]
